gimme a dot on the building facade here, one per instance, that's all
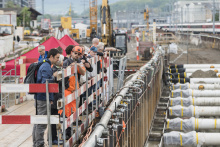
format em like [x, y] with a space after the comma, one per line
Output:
[193, 11]
[32, 4]
[21, 3]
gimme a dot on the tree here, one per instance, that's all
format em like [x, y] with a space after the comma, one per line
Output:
[11, 4]
[25, 17]
[217, 17]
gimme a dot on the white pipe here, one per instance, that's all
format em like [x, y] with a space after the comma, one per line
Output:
[201, 66]
[200, 97]
[191, 139]
[189, 74]
[204, 69]
[178, 124]
[204, 80]
[195, 86]
[195, 111]
[194, 101]
[195, 93]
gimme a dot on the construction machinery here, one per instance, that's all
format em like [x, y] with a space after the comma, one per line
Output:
[93, 19]
[108, 36]
[106, 24]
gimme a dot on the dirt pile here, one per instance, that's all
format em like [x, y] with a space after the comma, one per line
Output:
[204, 74]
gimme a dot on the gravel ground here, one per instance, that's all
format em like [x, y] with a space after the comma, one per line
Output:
[197, 55]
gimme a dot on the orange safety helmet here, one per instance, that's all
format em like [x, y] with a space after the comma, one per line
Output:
[78, 49]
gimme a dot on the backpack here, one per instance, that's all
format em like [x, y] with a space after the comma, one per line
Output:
[32, 72]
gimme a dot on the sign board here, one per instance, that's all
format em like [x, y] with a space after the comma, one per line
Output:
[66, 22]
[45, 24]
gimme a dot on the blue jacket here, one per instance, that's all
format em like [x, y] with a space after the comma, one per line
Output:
[45, 56]
[44, 73]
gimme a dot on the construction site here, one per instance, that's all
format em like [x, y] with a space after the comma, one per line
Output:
[148, 81]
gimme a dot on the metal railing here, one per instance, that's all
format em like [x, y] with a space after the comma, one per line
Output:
[127, 120]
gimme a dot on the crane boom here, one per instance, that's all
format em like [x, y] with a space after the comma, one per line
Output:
[106, 24]
[93, 18]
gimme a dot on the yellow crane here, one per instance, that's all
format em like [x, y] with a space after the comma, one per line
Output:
[93, 19]
[146, 18]
[106, 24]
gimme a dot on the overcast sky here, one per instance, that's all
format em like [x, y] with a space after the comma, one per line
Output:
[62, 6]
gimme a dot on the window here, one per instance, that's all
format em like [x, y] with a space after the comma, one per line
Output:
[1, 6]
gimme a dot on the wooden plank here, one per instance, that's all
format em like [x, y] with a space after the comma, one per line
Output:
[21, 137]
[22, 73]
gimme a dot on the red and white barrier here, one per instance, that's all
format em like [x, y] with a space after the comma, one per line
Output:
[82, 89]
[81, 129]
[31, 88]
[81, 109]
[28, 119]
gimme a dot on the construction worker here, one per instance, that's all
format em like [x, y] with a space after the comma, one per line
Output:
[71, 61]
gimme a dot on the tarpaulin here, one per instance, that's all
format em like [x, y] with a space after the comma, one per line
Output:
[49, 44]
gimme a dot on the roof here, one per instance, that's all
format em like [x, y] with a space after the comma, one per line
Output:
[49, 44]
[66, 40]
[18, 10]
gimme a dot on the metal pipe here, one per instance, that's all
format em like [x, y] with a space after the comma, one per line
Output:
[195, 86]
[178, 124]
[191, 139]
[204, 80]
[63, 97]
[203, 69]
[194, 101]
[196, 111]
[199, 66]
[189, 74]
[77, 105]
[195, 93]
[48, 114]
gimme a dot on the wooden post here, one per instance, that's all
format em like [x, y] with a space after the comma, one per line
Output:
[22, 76]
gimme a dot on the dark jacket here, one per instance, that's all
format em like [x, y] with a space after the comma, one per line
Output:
[45, 56]
[44, 73]
[90, 69]
[67, 62]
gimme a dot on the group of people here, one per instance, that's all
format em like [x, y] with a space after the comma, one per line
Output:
[53, 61]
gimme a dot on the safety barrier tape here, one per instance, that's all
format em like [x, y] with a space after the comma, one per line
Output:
[28, 119]
[31, 88]
[81, 129]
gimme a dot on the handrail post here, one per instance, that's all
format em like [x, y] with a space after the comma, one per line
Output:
[63, 97]
[48, 114]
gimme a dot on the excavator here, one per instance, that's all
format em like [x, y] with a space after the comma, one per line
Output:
[108, 36]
